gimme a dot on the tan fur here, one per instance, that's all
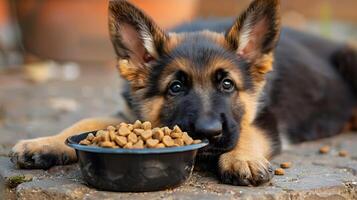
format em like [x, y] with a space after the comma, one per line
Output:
[129, 70]
[55, 144]
[173, 41]
[262, 66]
[186, 66]
[221, 63]
[250, 156]
[218, 38]
[253, 150]
[151, 110]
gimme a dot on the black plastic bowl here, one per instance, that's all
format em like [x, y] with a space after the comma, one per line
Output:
[134, 170]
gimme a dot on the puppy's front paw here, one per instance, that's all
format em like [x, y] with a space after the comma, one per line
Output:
[41, 153]
[244, 170]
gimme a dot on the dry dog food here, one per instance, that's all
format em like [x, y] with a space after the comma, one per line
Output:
[285, 165]
[138, 136]
[324, 149]
[343, 153]
[279, 171]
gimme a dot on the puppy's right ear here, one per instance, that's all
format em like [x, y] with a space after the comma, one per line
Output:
[137, 40]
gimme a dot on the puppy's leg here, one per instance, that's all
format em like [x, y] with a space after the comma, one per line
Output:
[45, 152]
[247, 163]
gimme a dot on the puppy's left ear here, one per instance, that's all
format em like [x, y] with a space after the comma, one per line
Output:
[256, 32]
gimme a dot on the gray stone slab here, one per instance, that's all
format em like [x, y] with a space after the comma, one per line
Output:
[312, 176]
[26, 112]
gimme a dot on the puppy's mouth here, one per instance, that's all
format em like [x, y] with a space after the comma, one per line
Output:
[218, 144]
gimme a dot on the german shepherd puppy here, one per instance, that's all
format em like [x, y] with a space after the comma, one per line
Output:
[236, 84]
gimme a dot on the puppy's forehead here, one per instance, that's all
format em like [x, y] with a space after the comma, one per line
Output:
[200, 47]
[201, 54]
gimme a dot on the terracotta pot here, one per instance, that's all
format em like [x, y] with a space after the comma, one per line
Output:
[77, 30]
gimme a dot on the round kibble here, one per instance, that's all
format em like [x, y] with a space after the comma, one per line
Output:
[138, 135]
[324, 149]
[167, 141]
[146, 135]
[157, 134]
[111, 128]
[167, 130]
[96, 140]
[121, 140]
[179, 141]
[176, 134]
[137, 124]
[138, 132]
[100, 132]
[124, 131]
[146, 126]
[90, 136]
[112, 135]
[343, 153]
[160, 145]
[139, 145]
[131, 127]
[151, 143]
[177, 129]
[106, 136]
[121, 125]
[132, 138]
[187, 139]
[128, 145]
[196, 141]
[285, 165]
[85, 142]
[107, 144]
[279, 172]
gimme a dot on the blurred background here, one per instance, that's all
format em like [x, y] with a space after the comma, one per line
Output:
[76, 30]
[57, 63]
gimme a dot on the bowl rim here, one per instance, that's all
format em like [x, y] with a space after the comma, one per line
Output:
[71, 143]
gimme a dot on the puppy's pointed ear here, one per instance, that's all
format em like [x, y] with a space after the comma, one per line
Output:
[256, 32]
[136, 39]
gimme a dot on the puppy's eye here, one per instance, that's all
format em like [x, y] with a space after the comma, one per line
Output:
[227, 85]
[176, 87]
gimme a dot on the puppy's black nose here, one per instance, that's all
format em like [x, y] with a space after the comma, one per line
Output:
[208, 127]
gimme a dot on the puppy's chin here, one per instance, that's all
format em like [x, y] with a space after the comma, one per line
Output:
[208, 157]
[218, 146]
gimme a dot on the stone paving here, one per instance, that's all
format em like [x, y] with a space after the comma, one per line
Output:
[27, 111]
